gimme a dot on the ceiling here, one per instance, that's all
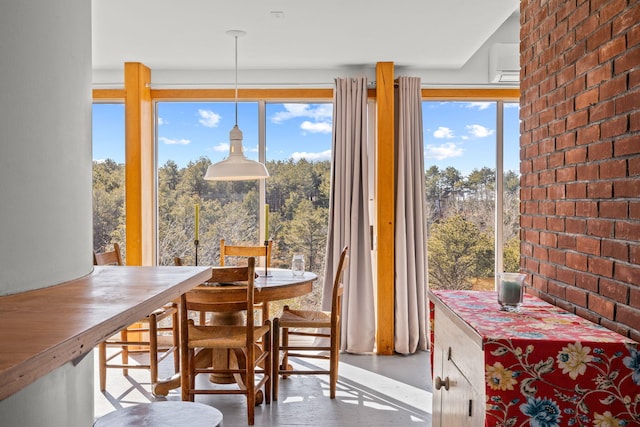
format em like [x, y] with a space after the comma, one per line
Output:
[445, 42]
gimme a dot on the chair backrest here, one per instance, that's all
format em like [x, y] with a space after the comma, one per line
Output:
[338, 285]
[245, 251]
[113, 257]
[199, 299]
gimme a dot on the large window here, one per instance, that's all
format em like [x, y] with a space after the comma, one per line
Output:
[108, 177]
[467, 144]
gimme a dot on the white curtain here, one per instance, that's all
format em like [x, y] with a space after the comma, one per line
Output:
[410, 231]
[349, 216]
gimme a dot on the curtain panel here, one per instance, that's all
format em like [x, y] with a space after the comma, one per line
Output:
[349, 216]
[410, 222]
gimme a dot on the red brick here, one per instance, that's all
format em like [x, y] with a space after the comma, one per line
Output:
[556, 256]
[634, 210]
[626, 61]
[626, 188]
[587, 282]
[628, 315]
[600, 228]
[556, 192]
[634, 166]
[531, 151]
[566, 242]
[540, 163]
[601, 266]
[565, 141]
[547, 177]
[612, 48]
[588, 209]
[586, 62]
[532, 237]
[608, 90]
[564, 109]
[599, 189]
[555, 224]
[587, 134]
[600, 151]
[634, 122]
[556, 127]
[628, 18]
[603, 306]
[634, 297]
[627, 273]
[603, 109]
[540, 254]
[539, 193]
[627, 231]
[626, 146]
[633, 36]
[616, 249]
[556, 159]
[574, 88]
[557, 290]
[613, 169]
[588, 245]
[566, 174]
[615, 290]
[576, 191]
[611, 8]
[565, 275]
[576, 155]
[619, 328]
[577, 261]
[576, 226]
[576, 52]
[634, 254]
[589, 172]
[614, 127]
[549, 239]
[565, 208]
[599, 75]
[614, 209]
[576, 296]
[547, 207]
[587, 314]
[582, 22]
[578, 119]
[597, 38]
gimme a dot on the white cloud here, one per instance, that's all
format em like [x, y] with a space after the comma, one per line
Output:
[479, 105]
[222, 147]
[170, 141]
[443, 132]
[316, 127]
[323, 155]
[320, 112]
[209, 118]
[161, 121]
[443, 151]
[479, 131]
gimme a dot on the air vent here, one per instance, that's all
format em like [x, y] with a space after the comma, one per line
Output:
[504, 63]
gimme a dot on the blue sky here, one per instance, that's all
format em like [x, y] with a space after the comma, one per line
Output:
[458, 134]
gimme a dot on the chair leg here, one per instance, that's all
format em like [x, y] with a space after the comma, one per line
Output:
[102, 362]
[124, 336]
[175, 331]
[153, 348]
[275, 356]
[268, 364]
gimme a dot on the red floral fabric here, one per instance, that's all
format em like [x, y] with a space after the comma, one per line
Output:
[546, 367]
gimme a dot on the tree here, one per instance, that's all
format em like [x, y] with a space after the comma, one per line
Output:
[457, 252]
[307, 233]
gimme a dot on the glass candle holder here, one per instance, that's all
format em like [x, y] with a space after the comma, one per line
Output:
[510, 291]
[297, 265]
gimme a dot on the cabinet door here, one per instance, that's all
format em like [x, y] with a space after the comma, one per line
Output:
[460, 404]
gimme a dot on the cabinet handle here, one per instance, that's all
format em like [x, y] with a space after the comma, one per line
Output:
[440, 383]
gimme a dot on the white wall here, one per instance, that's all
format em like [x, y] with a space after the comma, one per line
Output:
[45, 181]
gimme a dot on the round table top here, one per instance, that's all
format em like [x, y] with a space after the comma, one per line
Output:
[278, 284]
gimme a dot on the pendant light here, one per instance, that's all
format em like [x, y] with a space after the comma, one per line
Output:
[236, 167]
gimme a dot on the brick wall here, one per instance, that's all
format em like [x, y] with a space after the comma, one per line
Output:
[580, 153]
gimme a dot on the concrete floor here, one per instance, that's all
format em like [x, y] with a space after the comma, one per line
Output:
[372, 391]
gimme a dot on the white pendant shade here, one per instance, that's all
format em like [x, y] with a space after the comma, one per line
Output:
[236, 167]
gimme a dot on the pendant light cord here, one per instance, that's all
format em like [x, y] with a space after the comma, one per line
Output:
[236, 65]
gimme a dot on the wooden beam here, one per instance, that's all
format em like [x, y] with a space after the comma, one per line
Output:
[385, 207]
[140, 200]
[443, 94]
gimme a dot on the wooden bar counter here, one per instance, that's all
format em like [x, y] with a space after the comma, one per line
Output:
[43, 329]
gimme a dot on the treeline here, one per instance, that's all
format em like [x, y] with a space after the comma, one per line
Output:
[460, 213]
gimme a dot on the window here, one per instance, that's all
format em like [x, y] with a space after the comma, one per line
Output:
[464, 142]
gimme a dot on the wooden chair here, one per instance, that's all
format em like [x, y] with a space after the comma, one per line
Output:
[248, 251]
[317, 325]
[197, 341]
[145, 336]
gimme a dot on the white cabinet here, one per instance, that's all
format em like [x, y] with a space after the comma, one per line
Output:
[458, 373]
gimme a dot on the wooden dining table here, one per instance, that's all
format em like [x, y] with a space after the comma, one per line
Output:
[230, 300]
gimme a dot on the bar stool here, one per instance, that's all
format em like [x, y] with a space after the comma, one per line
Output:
[163, 414]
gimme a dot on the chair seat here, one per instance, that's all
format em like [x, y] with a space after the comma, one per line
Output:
[305, 319]
[221, 336]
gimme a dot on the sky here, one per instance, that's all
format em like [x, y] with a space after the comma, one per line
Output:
[458, 134]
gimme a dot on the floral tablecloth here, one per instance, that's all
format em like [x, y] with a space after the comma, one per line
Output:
[546, 367]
